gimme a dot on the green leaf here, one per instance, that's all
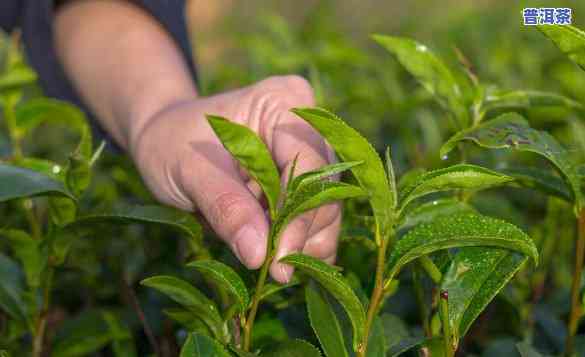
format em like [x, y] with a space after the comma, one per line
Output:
[540, 180]
[32, 113]
[405, 345]
[526, 350]
[293, 348]
[391, 179]
[241, 353]
[252, 154]
[337, 286]
[511, 131]
[351, 146]
[123, 343]
[569, 39]
[198, 345]
[429, 211]
[127, 214]
[324, 322]
[462, 176]
[376, 340]
[188, 320]
[12, 290]
[430, 71]
[17, 76]
[320, 174]
[461, 230]
[30, 253]
[82, 336]
[271, 289]
[226, 278]
[189, 297]
[45, 167]
[311, 196]
[395, 330]
[525, 99]
[16, 182]
[475, 277]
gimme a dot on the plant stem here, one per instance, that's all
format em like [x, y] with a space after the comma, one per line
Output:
[255, 303]
[377, 296]
[429, 266]
[420, 300]
[41, 321]
[576, 309]
[130, 294]
[444, 313]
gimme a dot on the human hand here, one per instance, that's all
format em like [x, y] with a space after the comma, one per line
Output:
[185, 165]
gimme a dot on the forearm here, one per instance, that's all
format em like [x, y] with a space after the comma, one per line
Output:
[122, 62]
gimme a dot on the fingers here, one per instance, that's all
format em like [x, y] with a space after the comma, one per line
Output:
[288, 137]
[232, 210]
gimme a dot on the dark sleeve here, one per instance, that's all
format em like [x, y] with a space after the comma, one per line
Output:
[37, 31]
[9, 14]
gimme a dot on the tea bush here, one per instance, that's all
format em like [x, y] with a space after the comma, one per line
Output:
[90, 264]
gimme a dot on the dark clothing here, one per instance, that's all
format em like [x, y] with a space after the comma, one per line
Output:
[35, 18]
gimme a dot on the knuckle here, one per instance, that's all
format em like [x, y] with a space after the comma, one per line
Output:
[229, 211]
[292, 85]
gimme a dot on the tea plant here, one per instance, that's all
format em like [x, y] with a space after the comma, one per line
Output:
[422, 228]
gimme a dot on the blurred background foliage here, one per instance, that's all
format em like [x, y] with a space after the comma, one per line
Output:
[239, 42]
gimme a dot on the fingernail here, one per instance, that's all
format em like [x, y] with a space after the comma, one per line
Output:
[287, 272]
[250, 246]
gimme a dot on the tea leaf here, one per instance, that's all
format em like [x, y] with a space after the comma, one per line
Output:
[462, 176]
[391, 178]
[12, 289]
[324, 322]
[526, 350]
[395, 329]
[511, 131]
[524, 99]
[293, 348]
[569, 39]
[29, 251]
[16, 182]
[198, 345]
[123, 343]
[429, 211]
[189, 320]
[252, 154]
[376, 340]
[81, 336]
[128, 214]
[241, 353]
[541, 180]
[405, 345]
[45, 167]
[188, 296]
[475, 277]
[430, 71]
[225, 277]
[319, 174]
[34, 112]
[461, 230]
[336, 285]
[351, 146]
[312, 196]
[271, 289]
[17, 76]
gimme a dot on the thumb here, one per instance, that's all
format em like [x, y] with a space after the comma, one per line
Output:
[213, 182]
